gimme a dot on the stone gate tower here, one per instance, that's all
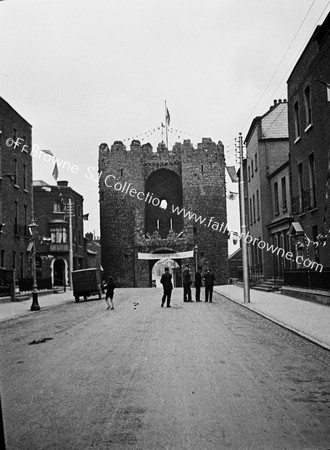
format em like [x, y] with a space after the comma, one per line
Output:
[162, 202]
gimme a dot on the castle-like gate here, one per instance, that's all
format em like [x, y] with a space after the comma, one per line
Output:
[162, 202]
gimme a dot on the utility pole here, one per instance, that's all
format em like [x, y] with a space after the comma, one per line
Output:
[70, 243]
[243, 226]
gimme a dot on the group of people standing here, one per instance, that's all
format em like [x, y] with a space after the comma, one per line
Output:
[208, 278]
[166, 280]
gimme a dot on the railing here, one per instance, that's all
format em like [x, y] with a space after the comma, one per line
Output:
[26, 284]
[59, 247]
[308, 278]
[255, 273]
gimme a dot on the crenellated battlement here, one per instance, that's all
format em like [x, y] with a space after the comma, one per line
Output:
[207, 148]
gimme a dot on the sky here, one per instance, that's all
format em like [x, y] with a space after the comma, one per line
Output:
[87, 72]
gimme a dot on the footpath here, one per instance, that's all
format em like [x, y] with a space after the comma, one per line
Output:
[309, 320]
[13, 310]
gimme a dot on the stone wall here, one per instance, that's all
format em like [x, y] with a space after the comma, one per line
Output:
[132, 220]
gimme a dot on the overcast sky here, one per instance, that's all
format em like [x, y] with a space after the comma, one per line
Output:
[86, 72]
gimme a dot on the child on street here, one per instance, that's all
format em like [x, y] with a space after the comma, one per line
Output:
[110, 287]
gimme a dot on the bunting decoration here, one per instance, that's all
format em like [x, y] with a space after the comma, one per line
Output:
[179, 134]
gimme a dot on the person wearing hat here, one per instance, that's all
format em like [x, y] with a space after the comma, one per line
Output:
[198, 284]
[166, 281]
[209, 279]
[186, 285]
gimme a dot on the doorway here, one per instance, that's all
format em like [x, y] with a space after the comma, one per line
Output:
[59, 272]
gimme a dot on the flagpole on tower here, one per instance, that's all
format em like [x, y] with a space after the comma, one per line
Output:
[167, 122]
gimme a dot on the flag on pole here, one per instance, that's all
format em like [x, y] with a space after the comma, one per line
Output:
[168, 117]
[48, 152]
[55, 172]
[85, 216]
[232, 173]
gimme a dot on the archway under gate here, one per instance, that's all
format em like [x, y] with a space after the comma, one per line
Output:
[158, 268]
[157, 258]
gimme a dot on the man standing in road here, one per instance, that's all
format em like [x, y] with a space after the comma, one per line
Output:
[166, 281]
[198, 284]
[186, 285]
[209, 283]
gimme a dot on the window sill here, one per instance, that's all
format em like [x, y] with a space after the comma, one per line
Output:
[302, 214]
[26, 191]
[314, 209]
[16, 186]
[297, 140]
[308, 127]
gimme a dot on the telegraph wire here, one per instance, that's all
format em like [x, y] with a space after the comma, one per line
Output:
[278, 66]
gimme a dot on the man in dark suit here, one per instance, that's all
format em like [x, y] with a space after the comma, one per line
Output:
[186, 285]
[198, 284]
[166, 281]
[209, 283]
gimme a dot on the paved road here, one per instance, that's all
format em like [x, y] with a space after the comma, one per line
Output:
[194, 376]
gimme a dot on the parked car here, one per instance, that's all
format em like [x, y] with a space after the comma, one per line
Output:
[86, 282]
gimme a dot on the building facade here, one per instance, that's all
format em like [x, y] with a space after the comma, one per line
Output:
[268, 216]
[15, 191]
[92, 251]
[280, 224]
[142, 196]
[309, 131]
[51, 209]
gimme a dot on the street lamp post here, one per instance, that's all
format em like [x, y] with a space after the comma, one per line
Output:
[35, 305]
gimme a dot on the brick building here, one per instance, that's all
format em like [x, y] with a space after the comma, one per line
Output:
[309, 132]
[15, 190]
[92, 251]
[139, 191]
[51, 214]
[267, 188]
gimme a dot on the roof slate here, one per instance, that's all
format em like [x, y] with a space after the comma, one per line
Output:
[274, 124]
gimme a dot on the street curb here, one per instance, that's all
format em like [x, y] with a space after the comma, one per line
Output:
[278, 322]
[29, 312]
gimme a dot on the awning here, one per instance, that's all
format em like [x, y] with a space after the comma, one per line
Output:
[296, 228]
